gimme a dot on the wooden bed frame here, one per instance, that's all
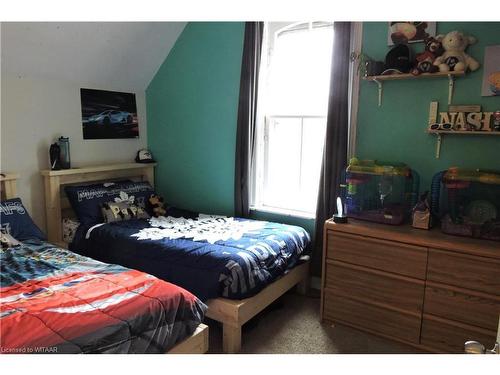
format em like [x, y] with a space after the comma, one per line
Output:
[196, 343]
[8, 185]
[231, 313]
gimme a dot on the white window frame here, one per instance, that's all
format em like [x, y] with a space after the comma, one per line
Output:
[261, 152]
[261, 205]
[354, 81]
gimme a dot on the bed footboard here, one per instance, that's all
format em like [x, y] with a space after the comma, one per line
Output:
[234, 313]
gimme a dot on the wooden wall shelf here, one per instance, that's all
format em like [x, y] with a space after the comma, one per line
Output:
[463, 132]
[441, 133]
[394, 77]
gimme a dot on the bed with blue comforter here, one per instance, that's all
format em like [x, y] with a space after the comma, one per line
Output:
[211, 256]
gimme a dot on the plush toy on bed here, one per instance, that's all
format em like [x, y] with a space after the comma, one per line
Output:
[157, 203]
[425, 60]
[454, 58]
[7, 240]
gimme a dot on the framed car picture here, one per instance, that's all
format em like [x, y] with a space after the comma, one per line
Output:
[409, 31]
[108, 114]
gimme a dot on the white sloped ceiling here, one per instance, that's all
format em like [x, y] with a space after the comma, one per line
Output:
[102, 52]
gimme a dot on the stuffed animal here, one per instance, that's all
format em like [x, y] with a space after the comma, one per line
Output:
[454, 58]
[425, 60]
[157, 203]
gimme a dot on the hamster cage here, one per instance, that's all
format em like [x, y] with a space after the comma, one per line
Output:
[379, 192]
[468, 202]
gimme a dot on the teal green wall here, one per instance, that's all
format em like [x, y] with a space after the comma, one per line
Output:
[396, 131]
[192, 106]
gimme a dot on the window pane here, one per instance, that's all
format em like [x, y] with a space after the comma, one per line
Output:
[282, 175]
[299, 72]
[294, 152]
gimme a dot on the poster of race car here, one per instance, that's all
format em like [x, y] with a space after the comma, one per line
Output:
[108, 114]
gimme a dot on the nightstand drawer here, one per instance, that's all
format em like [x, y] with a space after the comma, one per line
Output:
[391, 256]
[464, 271]
[373, 318]
[374, 286]
[462, 306]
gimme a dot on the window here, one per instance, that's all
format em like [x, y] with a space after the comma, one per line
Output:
[293, 103]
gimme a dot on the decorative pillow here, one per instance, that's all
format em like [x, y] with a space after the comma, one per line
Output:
[120, 211]
[69, 229]
[16, 221]
[87, 200]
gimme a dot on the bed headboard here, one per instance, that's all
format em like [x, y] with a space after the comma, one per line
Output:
[8, 184]
[57, 205]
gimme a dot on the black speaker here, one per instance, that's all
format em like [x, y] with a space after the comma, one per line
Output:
[55, 156]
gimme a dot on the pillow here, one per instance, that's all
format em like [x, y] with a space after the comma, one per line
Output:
[87, 200]
[16, 221]
[120, 211]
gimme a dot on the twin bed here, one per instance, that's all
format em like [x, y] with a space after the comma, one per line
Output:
[236, 267]
[55, 301]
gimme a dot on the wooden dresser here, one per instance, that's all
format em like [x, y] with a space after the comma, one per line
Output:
[425, 288]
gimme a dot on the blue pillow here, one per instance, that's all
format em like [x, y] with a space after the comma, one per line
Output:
[87, 200]
[16, 221]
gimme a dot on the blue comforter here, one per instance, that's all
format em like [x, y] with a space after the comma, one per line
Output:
[231, 268]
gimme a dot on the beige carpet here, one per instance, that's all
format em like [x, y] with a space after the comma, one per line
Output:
[291, 326]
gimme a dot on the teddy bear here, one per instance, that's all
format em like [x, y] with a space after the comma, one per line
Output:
[425, 60]
[454, 57]
[157, 203]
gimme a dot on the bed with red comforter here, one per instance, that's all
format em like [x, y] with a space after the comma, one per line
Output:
[55, 301]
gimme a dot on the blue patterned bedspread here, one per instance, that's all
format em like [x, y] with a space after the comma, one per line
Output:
[206, 265]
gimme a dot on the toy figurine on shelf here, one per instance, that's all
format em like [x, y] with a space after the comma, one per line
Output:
[425, 60]
[496, 121]
[454, 57]
[421, 217]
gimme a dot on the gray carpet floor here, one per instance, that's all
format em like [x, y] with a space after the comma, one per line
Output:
[292, 325]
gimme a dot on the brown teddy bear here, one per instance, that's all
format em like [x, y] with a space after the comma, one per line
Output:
[425, 60]
[157, 203]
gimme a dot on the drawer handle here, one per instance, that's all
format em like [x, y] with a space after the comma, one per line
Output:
[475, 347]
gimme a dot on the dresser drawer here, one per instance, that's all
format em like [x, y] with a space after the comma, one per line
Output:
[457, 304]
[399, 258]
[374, 286]
[465, 271]
[449, 338]
[373, 318]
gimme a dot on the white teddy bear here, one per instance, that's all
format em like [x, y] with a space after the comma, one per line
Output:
[454, 58]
